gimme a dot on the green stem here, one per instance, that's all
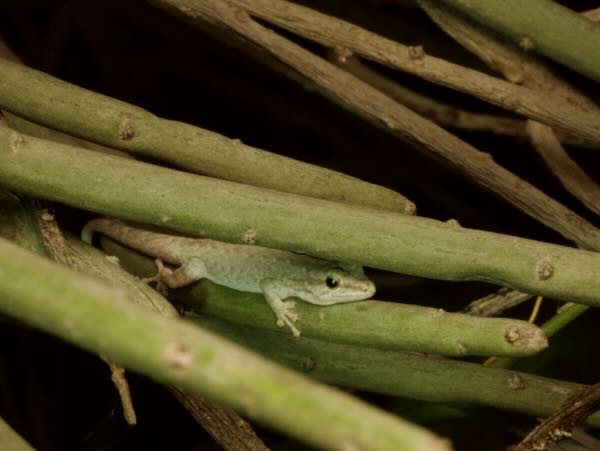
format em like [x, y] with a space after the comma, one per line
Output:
[238, 213]
[370, 323]
[10, 440]
[380, 324]
[60, 105]
[237, 17]
[405, 374]
[541, 25]
[95, 317]
[564, 317]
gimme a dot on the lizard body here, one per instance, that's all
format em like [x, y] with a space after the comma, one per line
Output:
[276, 273]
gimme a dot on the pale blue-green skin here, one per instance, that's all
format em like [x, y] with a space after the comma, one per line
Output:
[244, 267]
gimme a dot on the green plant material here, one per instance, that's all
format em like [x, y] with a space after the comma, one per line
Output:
[16, 225]
[227, 427]
[95, 263]
[204, 206]
[65, 107]
[566, 314]
[405, 374]
[239, 435]
[369, 323]
[10, 440]
[541, 25]
[237, 18]
[530, 71]
[93, 316]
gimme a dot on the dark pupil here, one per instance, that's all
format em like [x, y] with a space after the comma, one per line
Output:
[331, 282]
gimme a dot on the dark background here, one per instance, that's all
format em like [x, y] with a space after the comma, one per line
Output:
[61, 398]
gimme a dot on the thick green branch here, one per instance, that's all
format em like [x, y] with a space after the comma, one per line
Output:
[10, 440]
[230, 430]
[565, 316]
[405, 374]
[234, 18]
[238, 213]
[49, 101]
[336, 33]
[541, 25]
[379, 324]
[91, 315]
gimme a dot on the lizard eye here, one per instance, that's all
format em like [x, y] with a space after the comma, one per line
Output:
[331, 282]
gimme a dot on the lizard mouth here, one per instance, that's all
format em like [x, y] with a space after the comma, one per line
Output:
[369, 291]
[359, 293]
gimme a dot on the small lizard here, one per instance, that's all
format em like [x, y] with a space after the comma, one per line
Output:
[276, 273]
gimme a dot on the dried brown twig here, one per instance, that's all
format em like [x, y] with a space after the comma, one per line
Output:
[333, 32]
[518, 66]
[214, 418]
[572, 414]
[227, 428]
[563, 166]
[446, 115]
[429, 107]
[235, 17]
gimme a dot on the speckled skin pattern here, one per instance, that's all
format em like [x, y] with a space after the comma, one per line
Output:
[244, 267]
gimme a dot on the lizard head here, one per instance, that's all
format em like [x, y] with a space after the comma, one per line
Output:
[336, 284]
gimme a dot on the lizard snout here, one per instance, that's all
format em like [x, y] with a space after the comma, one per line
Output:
[369, 289]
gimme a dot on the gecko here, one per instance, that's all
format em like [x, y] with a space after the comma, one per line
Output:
[277, 274]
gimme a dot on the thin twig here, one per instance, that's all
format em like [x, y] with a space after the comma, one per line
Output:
[563, 166]
[380, 109]
[559, 425]
[592, 14]
[332, 32]
[496, 303]
[54, 243]
[228, 429]
[402, 243]
[527, 70]
[534, 25]
[442, 113]
[117, 375]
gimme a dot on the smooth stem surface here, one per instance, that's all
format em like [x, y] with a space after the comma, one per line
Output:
[404, 374]
[92, 316]
[564, 317]
[225, 426]
[541, 25]
[379, 324]
[49, 101]
[233, 212]
[236, 18]
[10, 440]
[369, 323]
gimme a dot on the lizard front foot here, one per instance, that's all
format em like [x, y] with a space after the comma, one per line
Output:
[286, 316]
[161, 272]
